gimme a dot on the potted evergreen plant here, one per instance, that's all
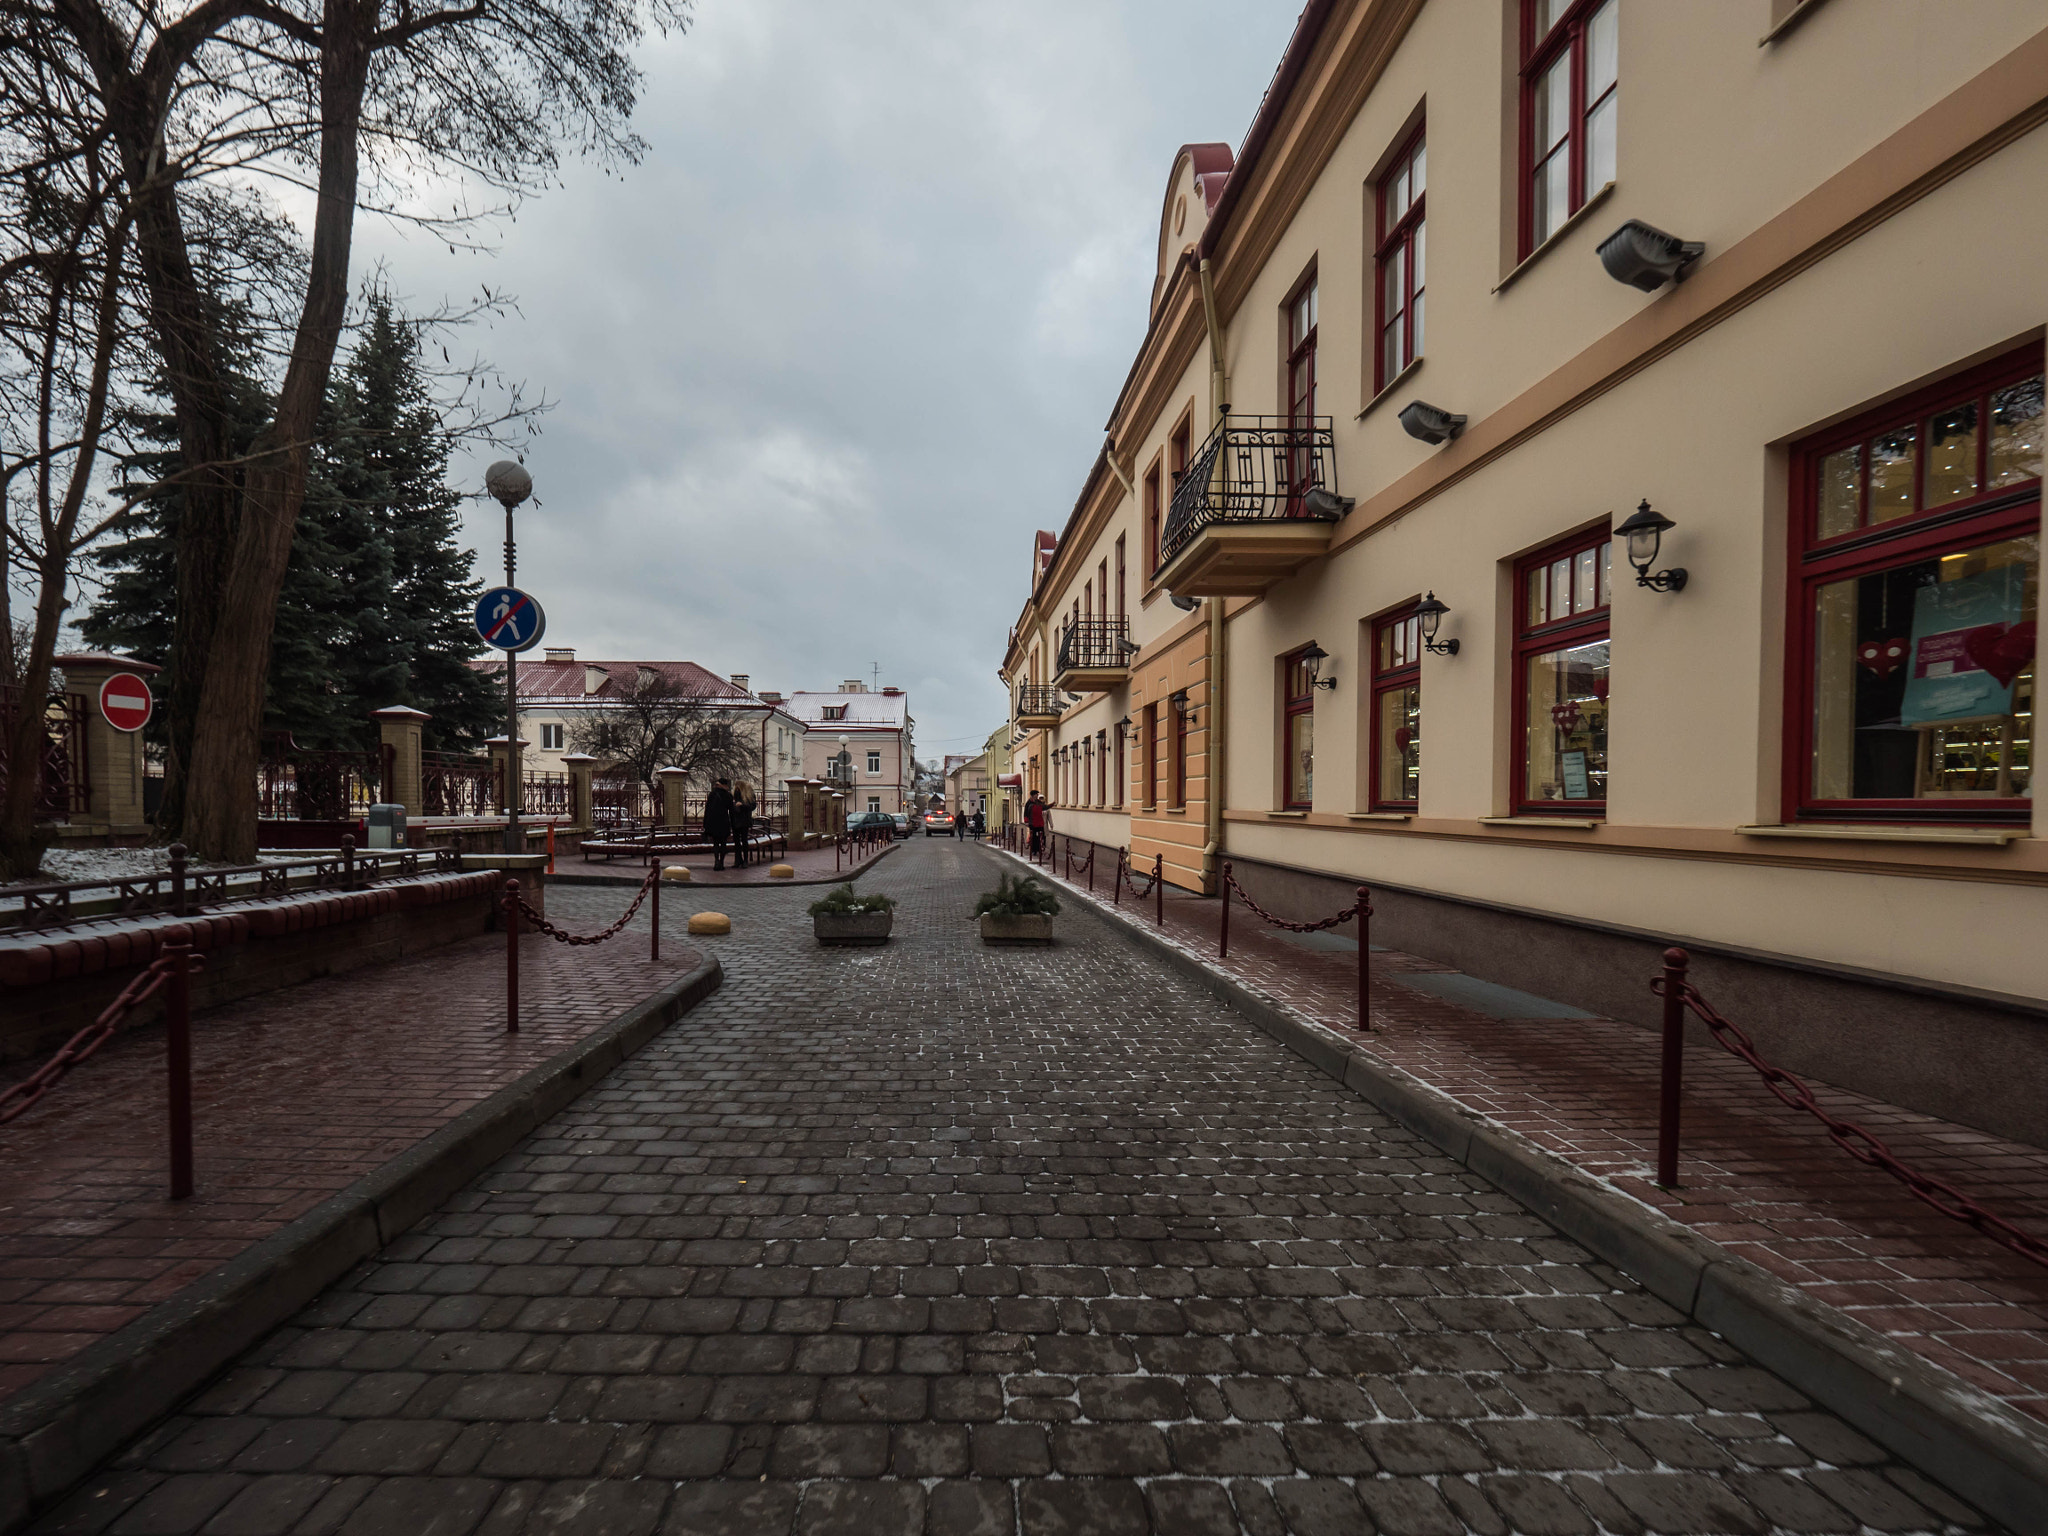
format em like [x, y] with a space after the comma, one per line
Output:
[1018, 911]
[847, 917]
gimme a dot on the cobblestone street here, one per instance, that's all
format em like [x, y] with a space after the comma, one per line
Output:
[939, 1238]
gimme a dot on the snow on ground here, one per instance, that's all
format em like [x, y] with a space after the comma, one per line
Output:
[67, 865]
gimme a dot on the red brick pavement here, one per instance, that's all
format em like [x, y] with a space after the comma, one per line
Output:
[1766, 1183]
[810, 864]
[296, 1094]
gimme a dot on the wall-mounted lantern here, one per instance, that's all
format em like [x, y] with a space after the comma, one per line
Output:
[1182, 705]
[1644, 532]
[1312, 658]
[1431, 612]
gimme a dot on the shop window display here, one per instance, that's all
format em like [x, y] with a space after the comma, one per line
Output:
[1298, 733]
[1561, 657]
[1917, 544]
[1397, 713]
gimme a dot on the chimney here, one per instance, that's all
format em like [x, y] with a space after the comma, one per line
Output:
[891, 693]
[739, 681]
[769, 696]
[564, 654]
[851, 685]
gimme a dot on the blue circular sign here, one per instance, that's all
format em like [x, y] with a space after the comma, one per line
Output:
[510, 619]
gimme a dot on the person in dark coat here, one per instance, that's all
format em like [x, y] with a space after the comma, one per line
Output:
[718, 819]
[1037, 815]
[742, 821]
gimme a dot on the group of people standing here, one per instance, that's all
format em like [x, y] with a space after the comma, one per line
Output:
[729, 818]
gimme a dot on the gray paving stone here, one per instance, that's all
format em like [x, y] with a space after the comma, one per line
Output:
[963, 1242]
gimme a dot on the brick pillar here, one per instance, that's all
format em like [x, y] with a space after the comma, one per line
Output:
[498, 760]
[796, 789]
[113, 759]
[674, 783]
[581, 766]
[398, 729]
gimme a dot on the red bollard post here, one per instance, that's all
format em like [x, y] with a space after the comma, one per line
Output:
[1159, 886]
[178, 1057]
[1675, 961]
[1364, 955]
[1117, 885]
[511, 957]
[1223, 933]
[1091, 866]
[654, 896]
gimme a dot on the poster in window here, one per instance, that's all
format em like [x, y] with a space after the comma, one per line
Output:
[1965, 637]
[1574, 766]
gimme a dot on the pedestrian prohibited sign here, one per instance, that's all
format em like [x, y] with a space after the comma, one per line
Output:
[126, 702]
[510, 619]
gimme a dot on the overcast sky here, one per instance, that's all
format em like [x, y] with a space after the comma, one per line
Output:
[851, 330]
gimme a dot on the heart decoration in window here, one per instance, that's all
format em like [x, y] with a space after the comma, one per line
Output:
[1403, 738]
[2002, 650]
[1565, 715]
[1881, 658]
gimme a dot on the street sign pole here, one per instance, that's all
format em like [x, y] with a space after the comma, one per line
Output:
[515, 837]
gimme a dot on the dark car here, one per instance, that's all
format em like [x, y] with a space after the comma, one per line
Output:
[880, 821]
[938, 821]
[904, 825]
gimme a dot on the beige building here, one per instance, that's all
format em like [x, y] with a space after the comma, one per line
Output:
[1640, 403]
[968, 784]
[859, 740]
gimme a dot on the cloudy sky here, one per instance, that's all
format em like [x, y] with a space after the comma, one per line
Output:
[850, 332]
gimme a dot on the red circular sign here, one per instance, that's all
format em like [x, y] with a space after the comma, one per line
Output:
[125, 701]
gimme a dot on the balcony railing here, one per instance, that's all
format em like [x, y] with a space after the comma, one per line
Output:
[1096, 646]
[1251, 469]
[1038, 701]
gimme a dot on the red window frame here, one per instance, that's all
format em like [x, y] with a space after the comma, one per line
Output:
[1121, 587]
[1298, 346]
[1152, 518]
[1117, 780]
[1149, 744]
[1178, 766]
[1401, 239]
[1540, 51]
[1989, 516]
[1581, 627]
[1396, 666]
[1297, 698]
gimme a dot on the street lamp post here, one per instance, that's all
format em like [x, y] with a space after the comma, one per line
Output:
[511, 484]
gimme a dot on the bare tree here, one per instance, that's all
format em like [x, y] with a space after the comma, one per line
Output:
[656, 720]
[188, 109]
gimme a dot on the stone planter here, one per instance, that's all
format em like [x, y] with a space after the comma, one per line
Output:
[852, 927]
[1016, 928]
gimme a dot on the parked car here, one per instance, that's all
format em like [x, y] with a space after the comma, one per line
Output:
[880, 821]
[938, 821]
[904, 826]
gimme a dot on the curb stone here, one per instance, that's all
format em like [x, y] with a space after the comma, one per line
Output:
[580, 878]
[1978, 1447]
[58, 1430]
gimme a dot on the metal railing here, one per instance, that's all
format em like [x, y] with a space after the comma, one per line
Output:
[547, 794]
[1251, 469]
[63, 788]
[298, 784]
[455, 785]
[1038, 699]
[1095, 644]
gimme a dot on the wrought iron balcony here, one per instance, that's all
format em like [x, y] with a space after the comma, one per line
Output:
[1038, 705]
[1094, 654]
[1254, 507]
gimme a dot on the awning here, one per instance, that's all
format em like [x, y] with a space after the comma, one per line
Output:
[1010, 780]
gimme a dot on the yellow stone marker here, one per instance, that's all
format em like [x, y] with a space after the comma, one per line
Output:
[781, 871]
[710, 922]
[680, 873]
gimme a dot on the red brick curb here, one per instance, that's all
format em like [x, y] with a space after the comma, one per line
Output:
[1979, 1447]
[59, 1428]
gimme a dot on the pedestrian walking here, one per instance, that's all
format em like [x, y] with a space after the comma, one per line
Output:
[742, 822]
[718, 819]
[1037, 816]
[960, 826]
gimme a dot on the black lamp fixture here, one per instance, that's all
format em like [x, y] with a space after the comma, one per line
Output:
[1644, 532]
[1430, 423]
[1313, 656]
[1182, 705]
[1319, 502]
[1184, 604]
[1127, 645]
[1431, 612]
[1124, 724]
[1644, 257]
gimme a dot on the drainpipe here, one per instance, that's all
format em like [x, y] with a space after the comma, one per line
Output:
[1212, 851]
[1219, 381]
[1109, 452]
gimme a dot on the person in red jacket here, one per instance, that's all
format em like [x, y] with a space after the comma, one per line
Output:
[1037, 816]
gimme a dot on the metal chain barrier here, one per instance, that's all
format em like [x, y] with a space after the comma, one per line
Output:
[1345, 916]
[540, 922]
[1130, 875]
[80, 1048]
[1852, 1138]
[1360, 909]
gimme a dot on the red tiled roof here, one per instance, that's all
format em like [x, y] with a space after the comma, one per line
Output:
[565, 679]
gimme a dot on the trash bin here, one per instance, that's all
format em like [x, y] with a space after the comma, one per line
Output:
[386, 826]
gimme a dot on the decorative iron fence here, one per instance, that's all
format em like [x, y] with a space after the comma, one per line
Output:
[296, 784]
[1251, 469]
[454, 785]
[614, 802]
[1095, 644]
[547, 794]
[1037, 699]
[63, 783]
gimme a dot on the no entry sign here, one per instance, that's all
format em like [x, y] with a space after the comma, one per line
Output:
[125, 701]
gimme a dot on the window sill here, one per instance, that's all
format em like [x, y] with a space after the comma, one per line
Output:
[1379, 815]
[1556, 235]
[1175, 810]
[1287, 815]
[1975, 837]
[1390, 386]
[1576, 823]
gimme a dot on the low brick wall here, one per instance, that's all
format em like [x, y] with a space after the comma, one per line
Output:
[36, 1019]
